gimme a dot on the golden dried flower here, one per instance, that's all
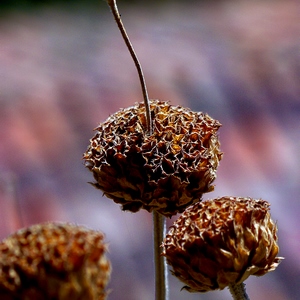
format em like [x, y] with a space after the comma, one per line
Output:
[221, 242]
[165, 171]
[53, 261]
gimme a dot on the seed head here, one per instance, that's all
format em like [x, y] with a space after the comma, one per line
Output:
[53, 261]
[165, 171]
[220, 242]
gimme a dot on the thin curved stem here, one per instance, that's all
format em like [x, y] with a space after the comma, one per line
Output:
[159, 222]
[113, 5]
[238, 291]
[161, 272]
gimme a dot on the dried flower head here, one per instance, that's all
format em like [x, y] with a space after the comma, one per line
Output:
[53, 261]
[222, 242]
[165, 171]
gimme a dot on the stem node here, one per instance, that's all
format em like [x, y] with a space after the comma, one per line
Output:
[238, 291]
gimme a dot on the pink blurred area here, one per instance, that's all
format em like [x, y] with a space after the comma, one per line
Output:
[63, 72]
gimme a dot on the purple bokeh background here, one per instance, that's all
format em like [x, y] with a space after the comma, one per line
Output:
[62, 72]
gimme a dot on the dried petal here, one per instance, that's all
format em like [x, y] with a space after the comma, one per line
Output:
[53, 261]
[223, 241]
[165, 171]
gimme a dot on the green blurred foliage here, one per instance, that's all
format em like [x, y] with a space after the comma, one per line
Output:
[28, 4]
[11, 5]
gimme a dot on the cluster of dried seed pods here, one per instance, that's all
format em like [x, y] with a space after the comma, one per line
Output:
[50, 261]
[165, 171]
[221, 242]
[160, 158]
[163, 158]
[214, 244]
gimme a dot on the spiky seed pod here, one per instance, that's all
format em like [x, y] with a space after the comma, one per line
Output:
[53, 261]
[165, 171]
[222, 242]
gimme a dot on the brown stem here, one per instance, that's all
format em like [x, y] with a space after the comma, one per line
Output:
[159, 222]
[113, 5]
[161, 273]
[238, 291]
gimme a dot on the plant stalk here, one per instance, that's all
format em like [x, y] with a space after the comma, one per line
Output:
[238, 291]
[159, 221]
[114, 8]
[161, 272]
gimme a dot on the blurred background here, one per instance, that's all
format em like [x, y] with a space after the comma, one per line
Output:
[64, 69]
